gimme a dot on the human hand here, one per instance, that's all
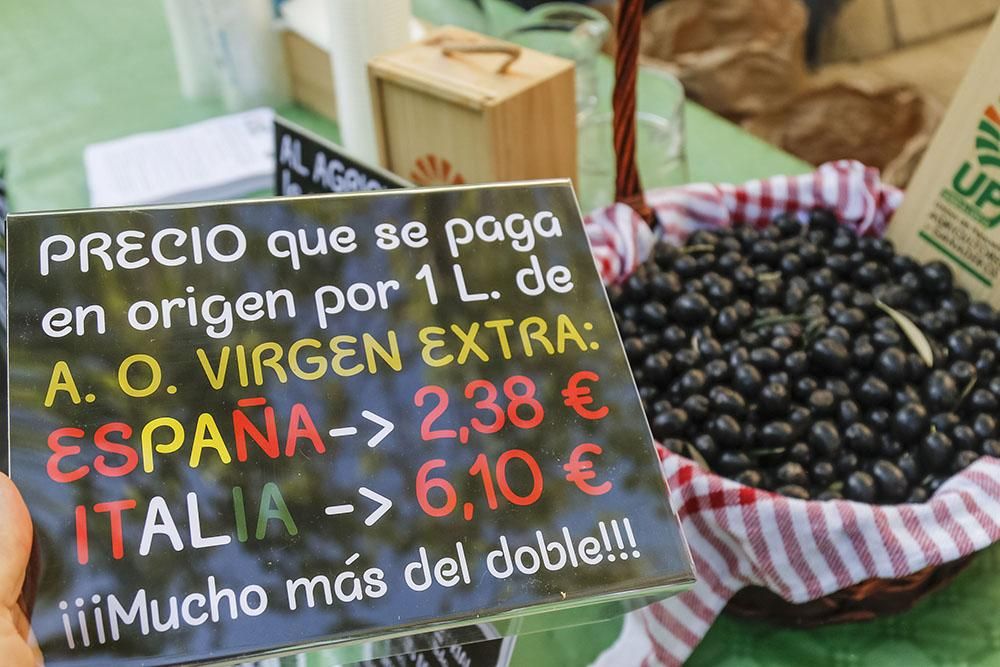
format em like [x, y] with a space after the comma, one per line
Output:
[17, 647]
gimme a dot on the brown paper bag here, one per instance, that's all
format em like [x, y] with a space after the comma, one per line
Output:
[883, 125]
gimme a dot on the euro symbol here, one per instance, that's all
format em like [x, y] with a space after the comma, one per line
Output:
[579, 398]
[581, 472]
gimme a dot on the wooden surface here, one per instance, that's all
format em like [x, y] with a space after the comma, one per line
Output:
[443, 119]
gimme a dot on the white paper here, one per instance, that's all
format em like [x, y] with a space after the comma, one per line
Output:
[220, 158]
[360, 30]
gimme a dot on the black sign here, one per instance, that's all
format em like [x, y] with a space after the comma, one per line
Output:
[258, 426]
[309, 164]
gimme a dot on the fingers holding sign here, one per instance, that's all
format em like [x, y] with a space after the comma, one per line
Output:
[16, 646]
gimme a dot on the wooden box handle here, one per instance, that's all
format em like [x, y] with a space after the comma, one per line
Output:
[512, 51]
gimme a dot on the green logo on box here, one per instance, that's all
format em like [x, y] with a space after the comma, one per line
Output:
[973, 181]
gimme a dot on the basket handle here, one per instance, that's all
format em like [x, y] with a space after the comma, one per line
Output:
[628, 186]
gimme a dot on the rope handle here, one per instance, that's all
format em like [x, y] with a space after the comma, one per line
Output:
[628, 186]
[512, 51]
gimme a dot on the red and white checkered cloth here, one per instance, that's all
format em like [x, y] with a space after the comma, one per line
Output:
[741, 536]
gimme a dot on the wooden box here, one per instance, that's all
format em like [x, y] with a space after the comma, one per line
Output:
[447, 111]
[311, 74]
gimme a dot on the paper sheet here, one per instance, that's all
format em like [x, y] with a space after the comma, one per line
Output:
[220, 158]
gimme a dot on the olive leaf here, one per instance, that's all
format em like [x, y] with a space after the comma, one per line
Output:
[766, 452]
[837, 486]
[696, 456]
[912, 332]
[773, 275]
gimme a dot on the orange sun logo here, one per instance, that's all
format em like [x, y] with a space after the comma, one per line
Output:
[432, 170]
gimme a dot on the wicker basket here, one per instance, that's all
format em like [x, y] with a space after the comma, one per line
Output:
[863, 601]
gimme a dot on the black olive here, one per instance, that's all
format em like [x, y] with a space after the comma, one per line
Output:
[891, 365]
[800, 418]
[985, 426]
[669, 424]
[860, 438]
[910, 467]
[964, 437]
[822, 402]
[691, 308]
[697, 407]
[863, 354]
[665, 286]
[804, 387]
[824, 438]
[793, 491]
[635, 350]
[890, 481]
[792, 473]
[706, 446]
[940, 391]
[725, 430]
[766, 359]
[936, 450]
[747, 380]
[936, 277]
[846, 463]
[910, 422]
[848, 412]
[657, 367]
[727, 401]
[776, 434]
[717, 371]
[774, 400]
[990, 447]
[750, 477]
[873, 391]
[860, 486]
[963, 460]
[829, 355]
[731, 462]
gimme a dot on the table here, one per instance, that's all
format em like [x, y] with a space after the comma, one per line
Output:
[73, 72]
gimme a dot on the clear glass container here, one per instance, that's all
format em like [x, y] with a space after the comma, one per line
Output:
[571, 31]
[660, 143]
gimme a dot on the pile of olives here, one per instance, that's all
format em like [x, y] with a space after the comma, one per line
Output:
[804, 359]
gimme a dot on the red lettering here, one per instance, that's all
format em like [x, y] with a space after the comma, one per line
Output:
[116, 448]
[115, 509]
[61, 451]
[302, 426]
[82, 552]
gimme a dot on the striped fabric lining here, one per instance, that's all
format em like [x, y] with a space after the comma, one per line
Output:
[741, 536]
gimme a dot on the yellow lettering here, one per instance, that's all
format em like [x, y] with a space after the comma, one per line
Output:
[207, 434]
[62, 380]
[432, 344]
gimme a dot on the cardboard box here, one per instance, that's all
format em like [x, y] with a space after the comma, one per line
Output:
[952, 207]
[447, 116]
[867, 28]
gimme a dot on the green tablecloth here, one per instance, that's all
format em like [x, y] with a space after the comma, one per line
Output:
[73, 72]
